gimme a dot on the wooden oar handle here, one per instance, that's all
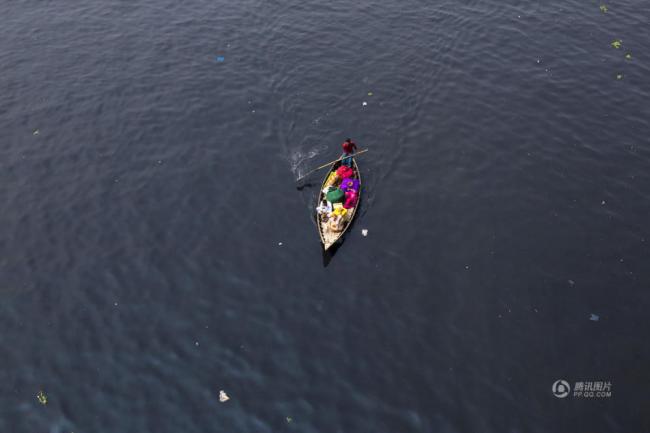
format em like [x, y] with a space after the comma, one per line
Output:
[332, 162]
[342, 158]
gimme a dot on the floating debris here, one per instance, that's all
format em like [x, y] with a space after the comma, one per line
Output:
[617, 43]
[36, 132]
[364, 232]
[42, 398]
[223, 397]
[364, 103]
[370, 93]
[628, 56]
[571, 283]
[603, 8]
[619, 76]
[594, 317]
[602, 203]
[220, 59]
[280, 243]
[289, 419]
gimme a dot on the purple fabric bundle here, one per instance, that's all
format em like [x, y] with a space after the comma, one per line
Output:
[350, 184]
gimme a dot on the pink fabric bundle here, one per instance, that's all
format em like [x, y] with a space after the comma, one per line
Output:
[351, 198]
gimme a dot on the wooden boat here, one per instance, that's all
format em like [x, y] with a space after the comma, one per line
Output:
[327, 236]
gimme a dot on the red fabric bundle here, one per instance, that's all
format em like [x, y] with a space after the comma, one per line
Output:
[344, 172]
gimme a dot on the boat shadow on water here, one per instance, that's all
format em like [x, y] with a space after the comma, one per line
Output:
[329, 254]
[306, 185]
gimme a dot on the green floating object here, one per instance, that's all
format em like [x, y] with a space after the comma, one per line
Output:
[617, 43]
[603, 8]
[42, 398]
[369, 93]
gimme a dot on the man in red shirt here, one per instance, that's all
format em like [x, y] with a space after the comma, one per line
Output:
[349, 147]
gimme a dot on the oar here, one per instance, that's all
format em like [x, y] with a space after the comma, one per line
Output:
[330, 163]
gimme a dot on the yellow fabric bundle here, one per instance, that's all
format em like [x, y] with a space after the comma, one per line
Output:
[340, 211]
[332, 179]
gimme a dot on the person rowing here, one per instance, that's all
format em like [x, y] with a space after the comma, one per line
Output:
[349, 147]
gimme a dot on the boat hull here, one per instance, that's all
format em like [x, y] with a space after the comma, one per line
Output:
[329, 238]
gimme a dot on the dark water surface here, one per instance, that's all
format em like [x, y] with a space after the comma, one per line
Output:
[147, 186]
